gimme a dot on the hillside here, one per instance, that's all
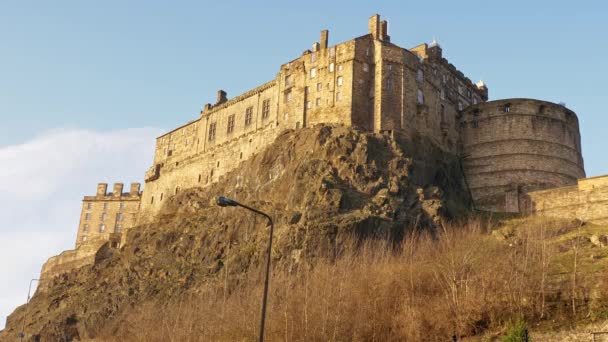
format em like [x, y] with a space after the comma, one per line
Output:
[363, 251]
[322, 185]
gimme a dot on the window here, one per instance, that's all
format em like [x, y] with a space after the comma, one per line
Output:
[308, 104]
[445, 78]
[318, 101]
[389, 84]
[319, 86]
[212, 127]
[118, 228]
[265, 108]
[152, 200]
[285, 115]
[460, 107]
[389, 67]
[187, 142]
[507, 108]
[460, 89]
[230, 126]
[84, 238]
[442, 94]
[87, 216]
[161, 195]
[102, 228]
[288, 80]
[420, 97]
[420, 76]
[338, 96]
[474, 100]
[248, 115]
[88, 206]
[119, 217]
[340, 67]
[313, 72]
[331, 67]
[297, 124]
[103, 216]
[367, 51]
[287, 97]
[313, 57]
[365, 67]
[121, 206]
[332, 51]
[339, 81]
[105, 206]
[85, 228]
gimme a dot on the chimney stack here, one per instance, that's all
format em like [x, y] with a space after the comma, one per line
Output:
[134, 190]
[117, 191]
[221, 97]
[384, 31]
[374, 26]
[324, 39]
[102, 188]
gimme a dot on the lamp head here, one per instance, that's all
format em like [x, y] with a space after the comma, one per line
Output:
[226, 202]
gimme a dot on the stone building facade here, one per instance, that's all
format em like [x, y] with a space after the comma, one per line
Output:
[105, 215]
[367, 82]
[514, 146]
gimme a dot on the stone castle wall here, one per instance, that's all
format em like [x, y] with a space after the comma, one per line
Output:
[367, 82]
[515, 146]
[107, 215]
[586, 201]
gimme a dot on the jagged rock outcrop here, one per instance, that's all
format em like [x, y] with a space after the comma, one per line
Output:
[320, 184]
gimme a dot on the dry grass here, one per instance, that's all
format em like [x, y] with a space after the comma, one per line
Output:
[459, 280]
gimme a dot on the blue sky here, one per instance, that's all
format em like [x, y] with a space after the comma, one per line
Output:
[90, 83]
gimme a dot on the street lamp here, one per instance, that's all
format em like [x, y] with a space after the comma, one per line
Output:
[29, 291]
[227, 202]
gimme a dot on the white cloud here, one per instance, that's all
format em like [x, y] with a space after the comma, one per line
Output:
[42, 183]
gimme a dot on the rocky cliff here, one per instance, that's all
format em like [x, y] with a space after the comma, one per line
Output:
[322, 185]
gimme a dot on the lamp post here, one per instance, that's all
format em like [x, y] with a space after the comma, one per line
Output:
[29, 291]
[227, 202]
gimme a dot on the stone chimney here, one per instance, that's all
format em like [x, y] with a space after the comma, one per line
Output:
[134, 190]
[102, 188]
[117, 191]
[324, 39]
[384, 31]
[221, 97]
[373, 25]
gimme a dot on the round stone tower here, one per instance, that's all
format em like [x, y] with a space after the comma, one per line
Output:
[513, 146]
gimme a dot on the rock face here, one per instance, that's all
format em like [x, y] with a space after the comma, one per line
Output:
[320, 184]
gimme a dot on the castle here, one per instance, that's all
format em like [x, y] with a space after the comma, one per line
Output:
[510, 148]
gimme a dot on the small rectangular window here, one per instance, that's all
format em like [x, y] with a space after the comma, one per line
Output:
[121, 206]
[103, 216]
[365, 67]
[105, 206]
[331, 67]
[118, 228]
[212, 127]
[84, 238]
[507, 108]
[102, 228]
[340, 67]
[287, 97]
[308, 104]
[339, 81]
[248, 116]
[87, 216]
[265, 108]
[319, 86]
[313, 57]
[420, 76]
[88, 205]
[338, 96]
[288, 80]
[119, 217]
[85, 228]
[318, 101]
[313, 72]
[230, 126]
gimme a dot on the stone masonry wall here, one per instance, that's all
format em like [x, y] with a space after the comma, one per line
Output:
[586, 201]
[514, 146]
[107, 215]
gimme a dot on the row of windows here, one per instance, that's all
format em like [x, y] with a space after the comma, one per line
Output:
[232, 119]
[101, 229]
[104, 216]
[89, 206]
[313, 71]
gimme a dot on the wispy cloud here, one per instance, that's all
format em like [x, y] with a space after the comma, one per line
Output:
[42, 182]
